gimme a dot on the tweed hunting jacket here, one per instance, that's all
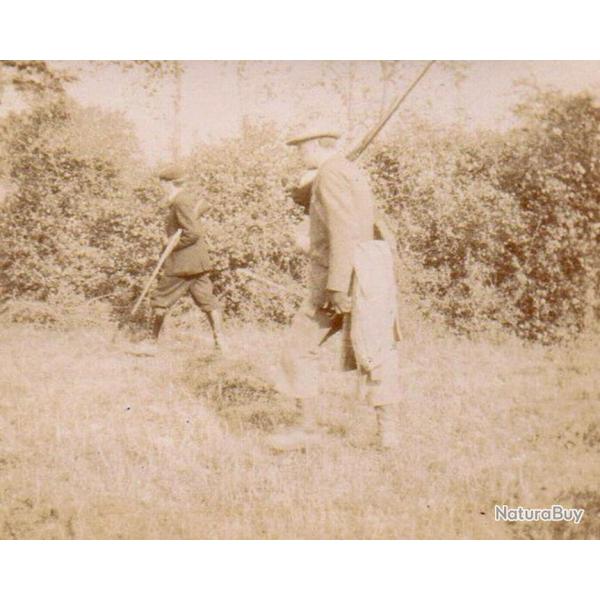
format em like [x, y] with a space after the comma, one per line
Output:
[341, 217]
[190, 256]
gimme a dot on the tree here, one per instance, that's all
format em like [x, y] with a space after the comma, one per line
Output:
[33, 79]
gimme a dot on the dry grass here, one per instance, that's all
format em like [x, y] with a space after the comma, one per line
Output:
[98, 443]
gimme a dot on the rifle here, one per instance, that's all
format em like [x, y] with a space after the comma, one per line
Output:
[301, 193]
[173, 241]
[355, 152]
[280, 288]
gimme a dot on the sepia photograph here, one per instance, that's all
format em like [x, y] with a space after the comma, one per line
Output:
[299, 300]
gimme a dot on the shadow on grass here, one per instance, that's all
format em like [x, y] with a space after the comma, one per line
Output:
[237, 393]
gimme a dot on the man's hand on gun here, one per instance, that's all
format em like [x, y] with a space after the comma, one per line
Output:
[337, 303]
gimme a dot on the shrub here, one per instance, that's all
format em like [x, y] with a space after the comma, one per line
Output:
[250, 221]
[85, 221]
[493, 229]
[500, 228]
[76, 226]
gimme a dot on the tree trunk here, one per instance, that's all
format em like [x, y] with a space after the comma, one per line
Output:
[177, 100]
[350, 96]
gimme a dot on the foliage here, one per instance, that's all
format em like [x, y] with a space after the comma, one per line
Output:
[494, 230]
[77, 225]
[153, 70]
[33, 78]
[552, 168]
[250, 221]
[84, 222]
[501, 228]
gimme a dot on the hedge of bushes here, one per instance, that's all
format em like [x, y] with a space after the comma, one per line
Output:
[493, 229]
[501, 229]
[76, 227]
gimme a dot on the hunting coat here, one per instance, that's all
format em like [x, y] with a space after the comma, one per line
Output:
[190, 256]
[341, 217]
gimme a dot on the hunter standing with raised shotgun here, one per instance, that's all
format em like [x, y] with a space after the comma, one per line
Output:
[187, 268]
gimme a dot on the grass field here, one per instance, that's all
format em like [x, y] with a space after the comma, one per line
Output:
[96, 442]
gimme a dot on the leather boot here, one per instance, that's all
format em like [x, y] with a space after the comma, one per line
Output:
[150, 347]
[216, 322]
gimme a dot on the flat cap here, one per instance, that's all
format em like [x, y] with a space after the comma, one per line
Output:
[312, 133]
[171, 173]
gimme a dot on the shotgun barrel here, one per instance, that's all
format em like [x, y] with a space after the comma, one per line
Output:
[355, 152]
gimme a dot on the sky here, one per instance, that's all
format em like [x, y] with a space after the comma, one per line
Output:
[217, 96]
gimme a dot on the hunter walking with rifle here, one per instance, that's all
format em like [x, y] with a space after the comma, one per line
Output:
[352, 283]
[187, 266]
[342, 220]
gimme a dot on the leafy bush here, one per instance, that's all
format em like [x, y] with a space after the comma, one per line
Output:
[85, 221]
[501, 228]
[453, 229]
[76, 226]
[250, 221]
[493, 229]
[551, 166]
